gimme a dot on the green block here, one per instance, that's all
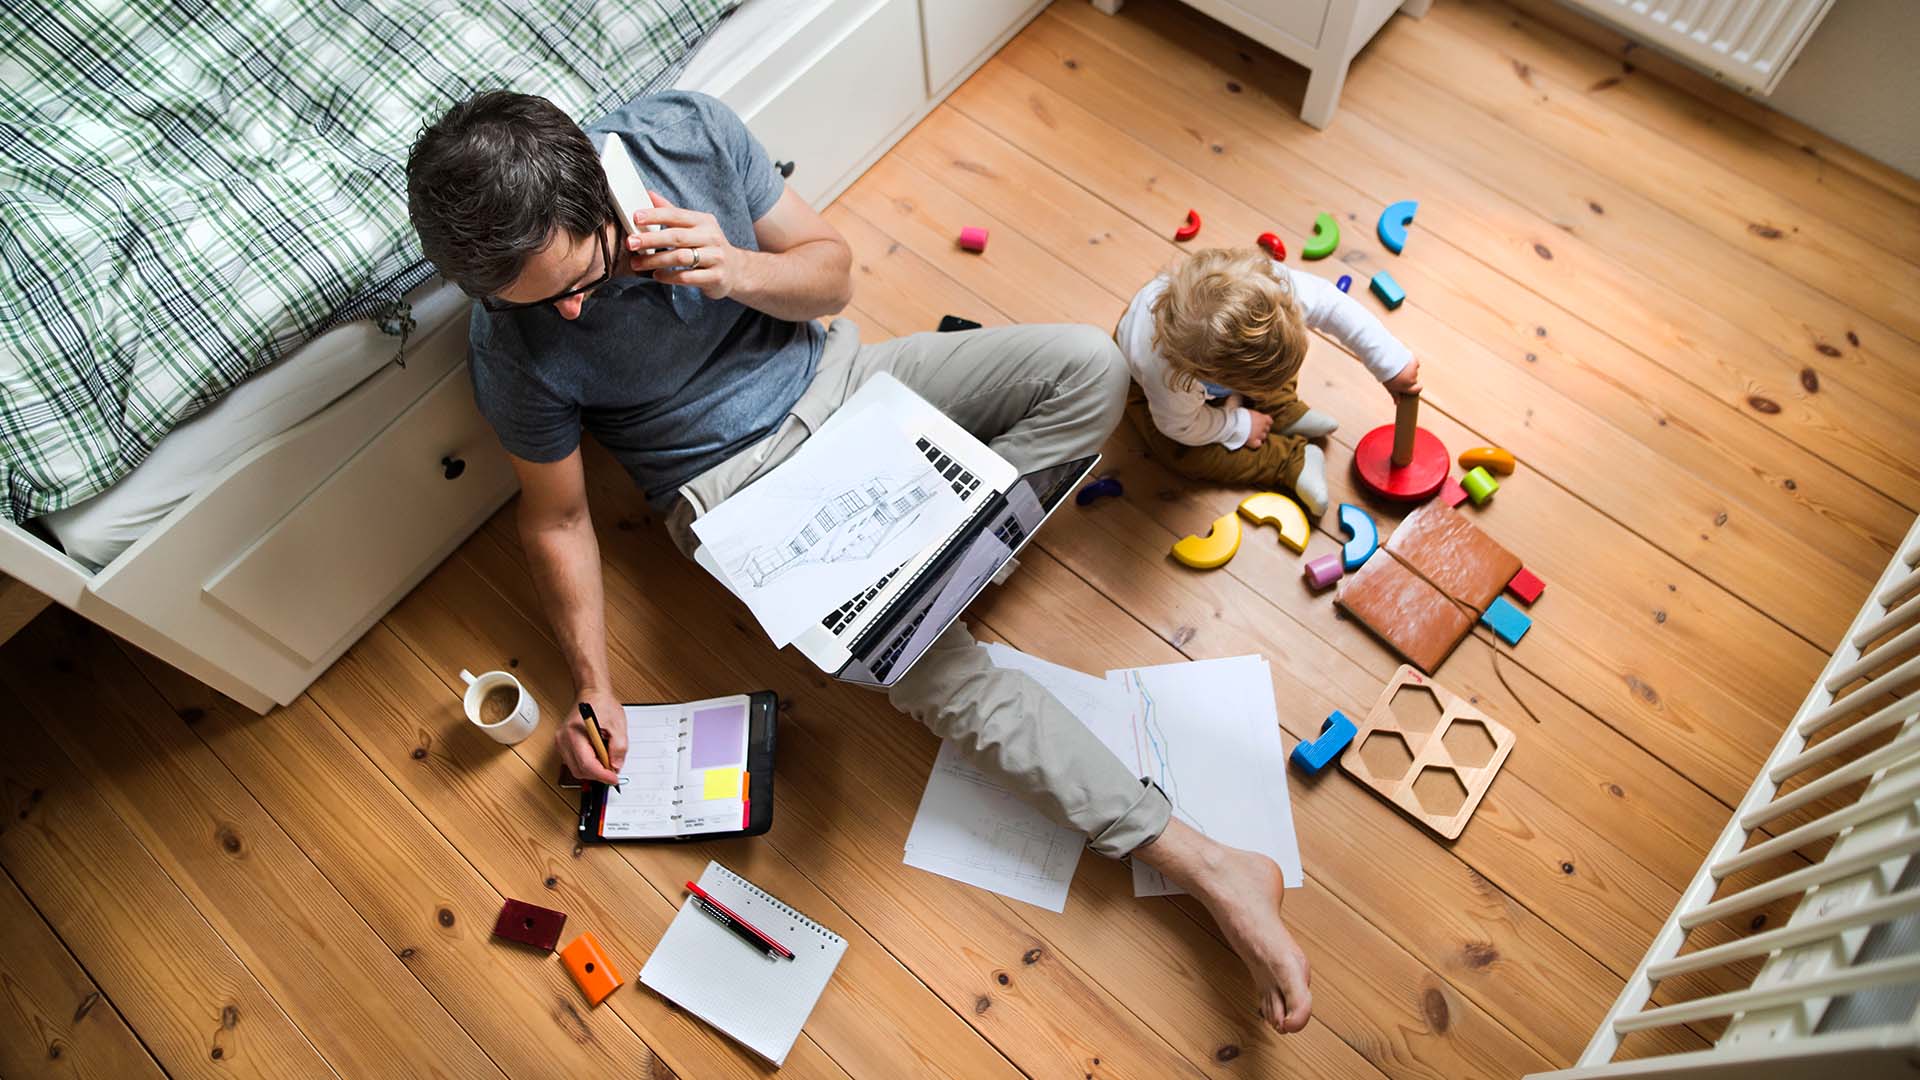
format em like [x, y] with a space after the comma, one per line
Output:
[1388, 290]
[1480, 485]
[1326, 237]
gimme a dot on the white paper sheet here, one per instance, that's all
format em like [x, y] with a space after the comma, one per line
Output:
[1206, 732]
[971, 829]
[856, 500]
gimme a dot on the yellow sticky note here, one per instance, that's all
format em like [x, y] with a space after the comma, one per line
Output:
[720, 784]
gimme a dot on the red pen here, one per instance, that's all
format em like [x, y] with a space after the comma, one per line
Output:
[741, 928]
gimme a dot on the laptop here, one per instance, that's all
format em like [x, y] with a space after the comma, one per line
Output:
[877, 633]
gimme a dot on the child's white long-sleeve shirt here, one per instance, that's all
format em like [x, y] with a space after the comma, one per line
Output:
[1184, 415]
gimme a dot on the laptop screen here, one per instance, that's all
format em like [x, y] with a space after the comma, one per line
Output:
[941, 596]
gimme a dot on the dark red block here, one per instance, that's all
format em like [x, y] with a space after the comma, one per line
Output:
[530, 924]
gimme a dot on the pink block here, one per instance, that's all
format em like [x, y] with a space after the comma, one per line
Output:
[1526, 585]
[1323, 571]
[973, 238]
[1452, 493]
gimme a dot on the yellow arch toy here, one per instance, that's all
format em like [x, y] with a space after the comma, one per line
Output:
[1272, 508]
[1212, 550]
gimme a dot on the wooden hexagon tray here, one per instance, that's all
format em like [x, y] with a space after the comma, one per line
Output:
[1426, 756]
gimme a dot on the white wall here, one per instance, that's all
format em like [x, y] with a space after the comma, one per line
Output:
[1858, 80]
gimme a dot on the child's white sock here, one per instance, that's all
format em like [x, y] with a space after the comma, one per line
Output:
[1311, 485]
[1314, 424]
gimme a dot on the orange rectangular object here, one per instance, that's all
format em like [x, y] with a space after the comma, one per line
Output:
[590, 968]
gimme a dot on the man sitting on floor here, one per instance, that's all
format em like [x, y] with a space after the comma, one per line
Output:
[699, 366]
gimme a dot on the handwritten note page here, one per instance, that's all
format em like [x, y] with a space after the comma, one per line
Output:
[684, 772]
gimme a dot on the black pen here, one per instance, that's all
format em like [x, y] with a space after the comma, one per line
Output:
[741, 928]
[593, 736]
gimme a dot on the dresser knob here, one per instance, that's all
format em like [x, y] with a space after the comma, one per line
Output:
[785, 167]
[451, 467]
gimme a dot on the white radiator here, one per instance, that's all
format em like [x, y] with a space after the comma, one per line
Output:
[1835, 991]
[1749, 43]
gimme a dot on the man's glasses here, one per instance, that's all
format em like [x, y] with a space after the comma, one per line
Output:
[494, 303]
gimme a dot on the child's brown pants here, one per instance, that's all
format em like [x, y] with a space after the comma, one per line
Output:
[1275, 463]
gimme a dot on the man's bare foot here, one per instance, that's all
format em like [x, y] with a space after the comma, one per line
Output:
[1242, 890]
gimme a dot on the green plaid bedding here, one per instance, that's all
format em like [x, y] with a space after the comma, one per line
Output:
[191, 189]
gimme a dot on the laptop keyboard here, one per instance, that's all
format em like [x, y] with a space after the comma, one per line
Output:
[964, 484]
[963, 481]
[846, 612]
[883, 663]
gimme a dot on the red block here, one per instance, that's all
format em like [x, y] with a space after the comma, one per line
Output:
[1526, 586]
[1452, 493]
[530, 924]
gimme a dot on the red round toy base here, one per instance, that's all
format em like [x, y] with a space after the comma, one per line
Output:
[1418, 479]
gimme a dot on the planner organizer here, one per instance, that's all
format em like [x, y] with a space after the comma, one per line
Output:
[758, 1002]
[685, 772]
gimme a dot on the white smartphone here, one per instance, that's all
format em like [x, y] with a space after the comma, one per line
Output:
[629, 191]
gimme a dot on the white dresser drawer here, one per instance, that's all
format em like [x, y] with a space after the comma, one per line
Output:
[830, 118]
[1301, 20]
[312, 578]
[957, 33]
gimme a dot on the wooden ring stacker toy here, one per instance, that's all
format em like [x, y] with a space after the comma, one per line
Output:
[1402, 461]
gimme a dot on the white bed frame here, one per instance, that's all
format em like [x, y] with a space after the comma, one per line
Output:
[281, 561]
[1837, 993]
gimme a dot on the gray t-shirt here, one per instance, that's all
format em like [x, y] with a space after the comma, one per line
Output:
[669, 381]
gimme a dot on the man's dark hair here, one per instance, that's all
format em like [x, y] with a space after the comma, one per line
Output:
[490, 181]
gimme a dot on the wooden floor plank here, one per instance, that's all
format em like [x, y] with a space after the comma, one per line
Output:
[1093, 937]
[194, 1004]
[1566, 540]
[1643, 65]
[518, 832]
[1711, 473]
[1477, 206]
[982, 162]
[349, 993]
[954, 938]
[1757, 555]
[1186, 985]
[1830, 279]
[412, 886]
[876, 995]
[1870, 213]
[53, 1020]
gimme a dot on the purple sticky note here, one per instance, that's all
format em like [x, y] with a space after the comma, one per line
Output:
[718, 735]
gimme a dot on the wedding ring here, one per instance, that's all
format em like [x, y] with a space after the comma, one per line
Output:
[695, 264]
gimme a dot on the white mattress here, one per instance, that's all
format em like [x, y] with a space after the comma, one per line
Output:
[94, 532]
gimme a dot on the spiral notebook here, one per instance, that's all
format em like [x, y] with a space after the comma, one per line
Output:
[759, 1003]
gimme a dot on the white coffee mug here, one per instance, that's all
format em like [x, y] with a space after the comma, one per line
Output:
[517, 724]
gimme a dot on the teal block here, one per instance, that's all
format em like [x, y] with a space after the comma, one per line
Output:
[1388, 290]
[1506, 620]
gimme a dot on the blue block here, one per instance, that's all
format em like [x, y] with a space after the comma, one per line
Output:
[1105, 486]
[1335, 734]
[1346, 281]
[1393, 224]
[1363, 536]
[1506, 620]
[1388, 290]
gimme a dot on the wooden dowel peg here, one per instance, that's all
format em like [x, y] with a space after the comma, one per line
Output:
[1406, 420]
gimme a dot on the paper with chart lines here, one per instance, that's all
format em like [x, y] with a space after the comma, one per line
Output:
[1206, 732]
[971, 828]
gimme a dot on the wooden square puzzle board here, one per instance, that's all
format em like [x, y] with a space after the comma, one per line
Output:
[1429, 752]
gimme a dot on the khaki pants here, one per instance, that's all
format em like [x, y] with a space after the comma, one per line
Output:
[1275, 463]
[1038, 395]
